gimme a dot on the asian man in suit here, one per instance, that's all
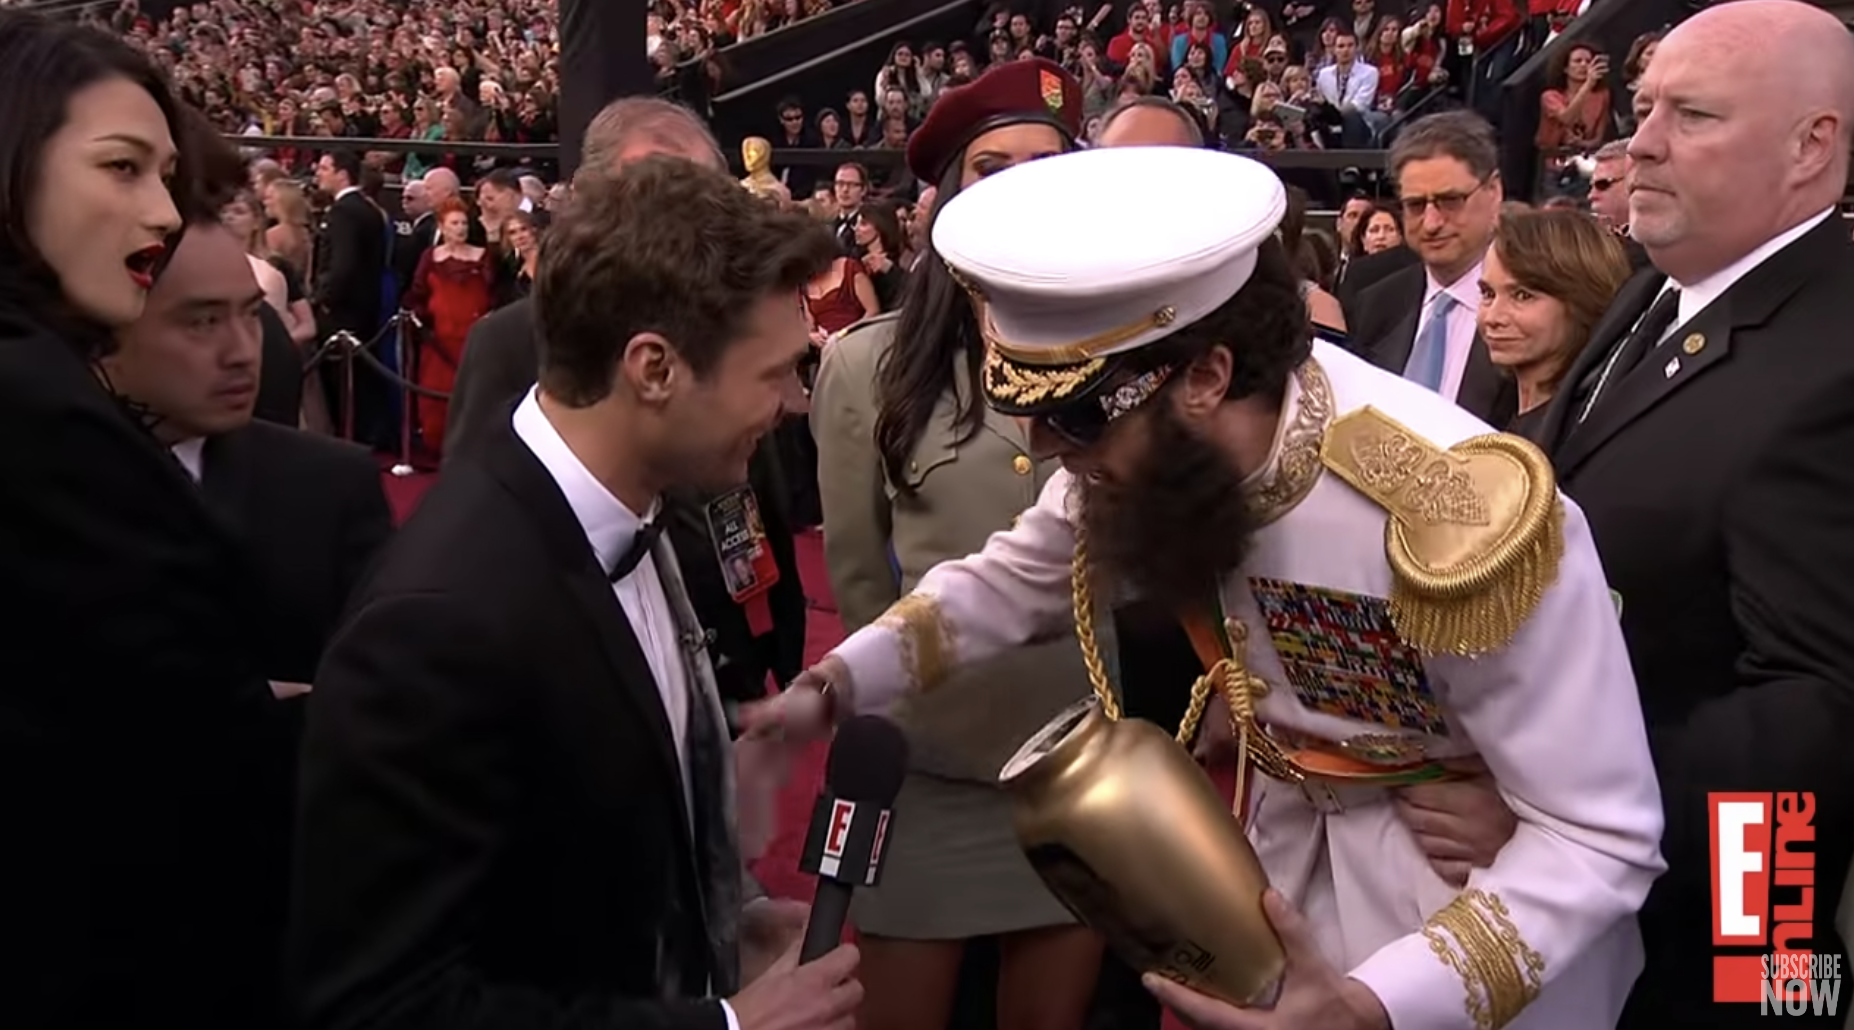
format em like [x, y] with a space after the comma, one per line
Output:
[1420, 321]
[307, 511]
[1707, 431]
[516, 802]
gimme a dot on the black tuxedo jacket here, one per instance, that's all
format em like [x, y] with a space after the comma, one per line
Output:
[311, 515]
[1362, 273]
[354, 264]
[491, 827]
[133, 680]
[498, 368]
[1718, 485]
[1382, 327]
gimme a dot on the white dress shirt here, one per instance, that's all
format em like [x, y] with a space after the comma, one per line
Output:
[1359, 91]
[1696, 297]
[610, 528]
[192, 456]
[1466, 292]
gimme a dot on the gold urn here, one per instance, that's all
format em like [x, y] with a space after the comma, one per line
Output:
[1131, 835]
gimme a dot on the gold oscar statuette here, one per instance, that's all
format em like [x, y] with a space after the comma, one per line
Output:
[1125, 828]
[756, 156]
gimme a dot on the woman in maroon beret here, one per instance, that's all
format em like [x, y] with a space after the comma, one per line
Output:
[914, 469]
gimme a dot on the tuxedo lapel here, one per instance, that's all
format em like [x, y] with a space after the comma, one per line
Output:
[1393, 352]
[1631, 301]
[225, 476]
[540, 500]
[1694, 348]
[1687, 353]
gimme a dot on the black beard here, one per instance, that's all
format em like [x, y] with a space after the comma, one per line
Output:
[1172, 531]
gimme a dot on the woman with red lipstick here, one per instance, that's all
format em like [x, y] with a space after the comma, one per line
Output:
[129, 682]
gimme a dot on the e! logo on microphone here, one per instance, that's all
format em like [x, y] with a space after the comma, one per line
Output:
[1763, 896]
[837, 835]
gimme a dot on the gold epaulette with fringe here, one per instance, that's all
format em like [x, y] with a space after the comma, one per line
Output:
[1476, 530]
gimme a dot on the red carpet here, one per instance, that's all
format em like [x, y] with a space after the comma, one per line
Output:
[778, 867]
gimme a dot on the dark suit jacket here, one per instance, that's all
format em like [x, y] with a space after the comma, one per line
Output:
[280, 378]
[311, 514]
[132, 679]
[354, 265]
[1721, 493]
[491, 828]
[1362, 273]
[1384, 331]
[498, 367]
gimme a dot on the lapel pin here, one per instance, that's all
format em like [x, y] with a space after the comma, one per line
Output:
[1673, 366]
[1693, 344]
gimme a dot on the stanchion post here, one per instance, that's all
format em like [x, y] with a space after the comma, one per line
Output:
[349, 344]
[409, 368]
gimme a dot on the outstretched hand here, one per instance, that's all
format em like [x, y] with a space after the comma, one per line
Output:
[1314, 996]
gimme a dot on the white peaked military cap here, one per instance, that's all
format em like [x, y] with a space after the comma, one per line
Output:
[1060, 291]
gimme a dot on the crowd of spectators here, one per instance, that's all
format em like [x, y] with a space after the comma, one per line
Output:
[1319, 74]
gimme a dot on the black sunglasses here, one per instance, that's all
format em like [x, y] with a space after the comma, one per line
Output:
[1604, 184]
[1084, 423]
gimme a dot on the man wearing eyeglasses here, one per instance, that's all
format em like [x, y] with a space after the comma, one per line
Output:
[1419, 322]
[1609, 196]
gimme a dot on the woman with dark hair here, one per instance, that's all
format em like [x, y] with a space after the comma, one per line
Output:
[880, 246]
[915, 469]
[1322, 307]
[1545, 283]
[131, 680]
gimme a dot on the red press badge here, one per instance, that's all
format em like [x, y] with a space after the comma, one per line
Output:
[747, 564]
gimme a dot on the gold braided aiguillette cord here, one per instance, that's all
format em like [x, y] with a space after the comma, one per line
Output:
[1084, 630]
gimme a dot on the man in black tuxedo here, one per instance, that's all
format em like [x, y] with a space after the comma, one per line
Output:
[307, 511]
[498, 368]
[516, 802]
[1420, 322]
[350, 291]
[1706, 431]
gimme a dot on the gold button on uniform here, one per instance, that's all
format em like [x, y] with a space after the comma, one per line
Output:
[1693, 344]
[1021, 464]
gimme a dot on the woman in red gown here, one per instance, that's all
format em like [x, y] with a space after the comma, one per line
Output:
[452, 288]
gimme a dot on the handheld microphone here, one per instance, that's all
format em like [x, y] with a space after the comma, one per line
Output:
[849, 824]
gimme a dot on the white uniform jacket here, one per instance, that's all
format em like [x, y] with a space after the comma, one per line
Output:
[1546, 937]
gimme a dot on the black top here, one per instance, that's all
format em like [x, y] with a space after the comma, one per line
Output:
[132, 682]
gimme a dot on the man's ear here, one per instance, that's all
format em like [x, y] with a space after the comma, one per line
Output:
[648, 366]
[1206, 381]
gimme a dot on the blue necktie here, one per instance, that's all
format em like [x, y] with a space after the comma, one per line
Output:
[1430, 355]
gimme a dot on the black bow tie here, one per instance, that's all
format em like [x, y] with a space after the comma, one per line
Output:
[640, 549]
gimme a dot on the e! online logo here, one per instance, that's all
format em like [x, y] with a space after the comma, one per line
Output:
[1763, 896]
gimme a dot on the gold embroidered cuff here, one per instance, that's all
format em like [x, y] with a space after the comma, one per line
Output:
[924, 637]
[1501, 974]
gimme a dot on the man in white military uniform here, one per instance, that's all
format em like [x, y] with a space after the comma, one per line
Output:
[1387, 585]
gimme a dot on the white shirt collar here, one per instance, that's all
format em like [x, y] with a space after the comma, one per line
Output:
[1466, 290]
[192, 456]
[1696, 297]
[609, 525]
